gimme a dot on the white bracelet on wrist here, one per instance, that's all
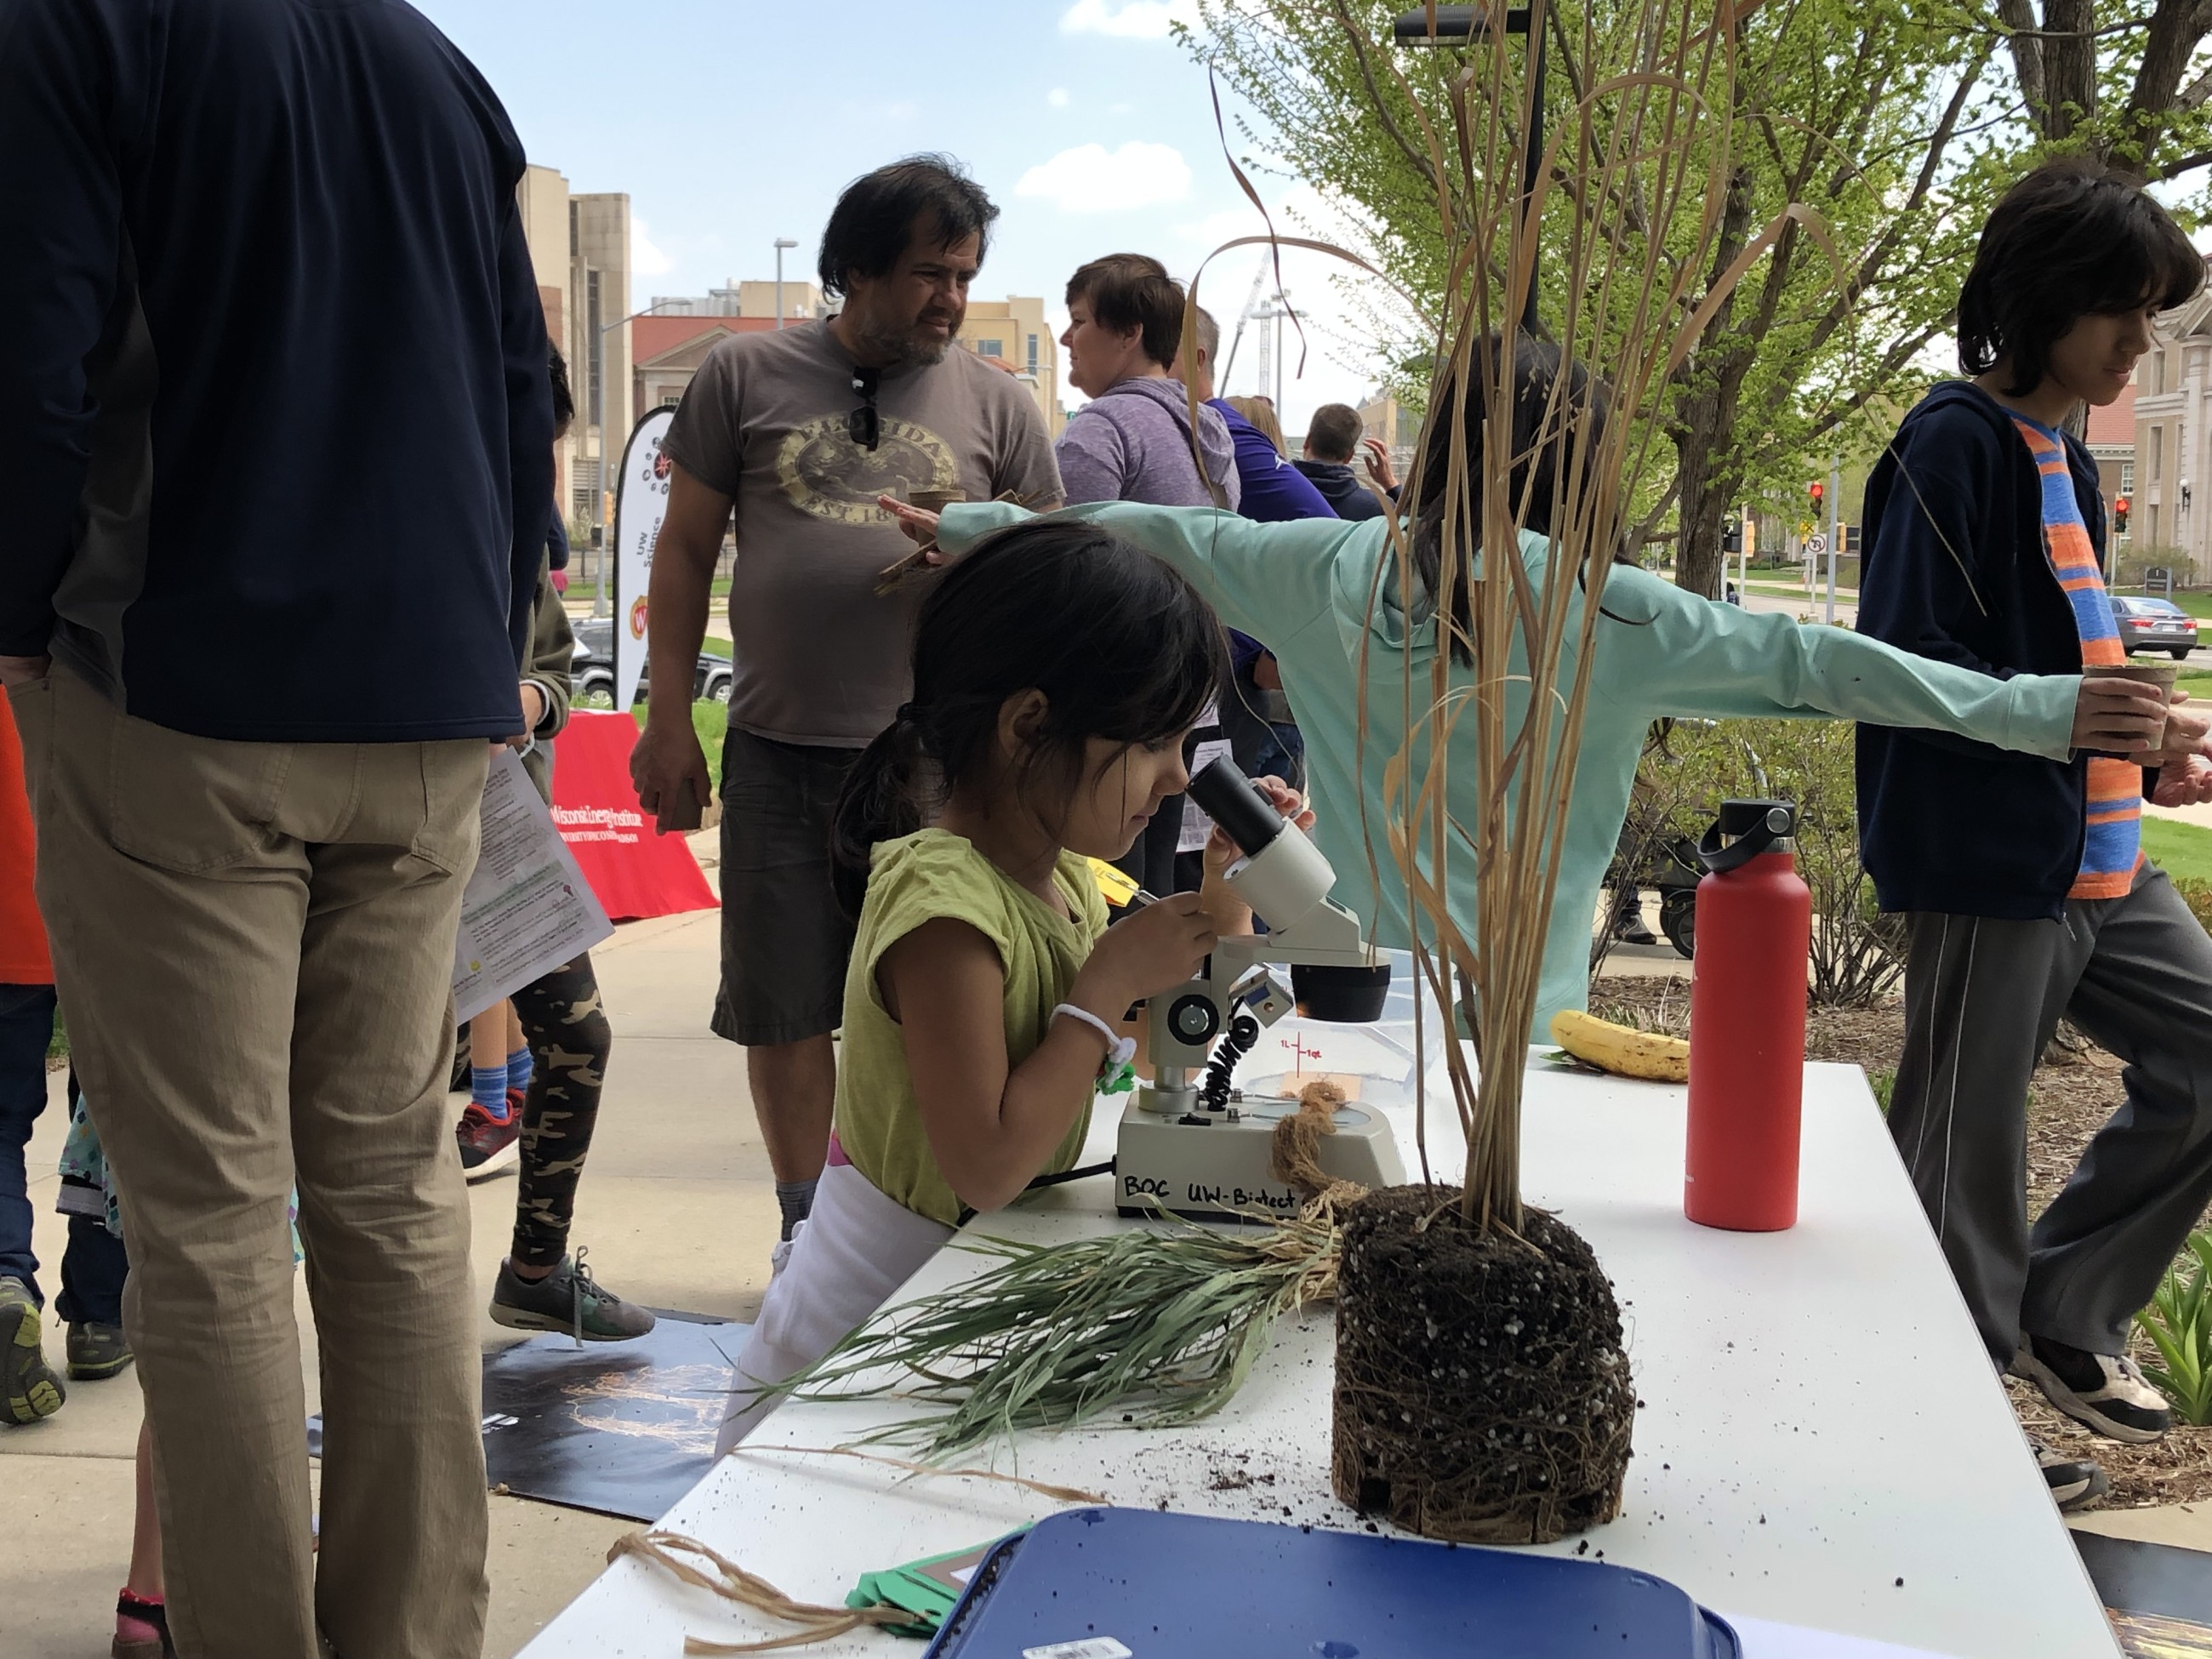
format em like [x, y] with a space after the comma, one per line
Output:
[1120, 1050]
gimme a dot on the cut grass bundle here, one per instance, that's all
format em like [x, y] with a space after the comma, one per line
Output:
[1151, 1326]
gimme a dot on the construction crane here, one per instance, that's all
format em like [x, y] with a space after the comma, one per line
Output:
[1252, 309]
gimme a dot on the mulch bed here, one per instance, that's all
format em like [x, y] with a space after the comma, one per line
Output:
[2073, 1095]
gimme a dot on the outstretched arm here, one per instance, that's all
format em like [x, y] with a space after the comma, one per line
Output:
[1266, 579]
[1663, 651]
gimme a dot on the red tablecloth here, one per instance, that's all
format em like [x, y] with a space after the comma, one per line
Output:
[635, 873]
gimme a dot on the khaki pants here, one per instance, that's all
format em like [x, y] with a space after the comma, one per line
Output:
[253, 943]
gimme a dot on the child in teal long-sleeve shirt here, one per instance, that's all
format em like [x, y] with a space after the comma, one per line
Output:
[1307, 591]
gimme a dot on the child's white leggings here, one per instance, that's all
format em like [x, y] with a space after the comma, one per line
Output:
[851, 1253]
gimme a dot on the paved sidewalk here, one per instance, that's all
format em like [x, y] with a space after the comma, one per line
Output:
[678, 1207]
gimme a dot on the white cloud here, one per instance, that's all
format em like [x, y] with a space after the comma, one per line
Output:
[1091, 178]
[1057, 98]
[1131, 19]
[645, 258]
[901, 112]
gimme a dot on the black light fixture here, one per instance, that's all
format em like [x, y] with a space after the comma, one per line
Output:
[1455, 26]
[1462, 26]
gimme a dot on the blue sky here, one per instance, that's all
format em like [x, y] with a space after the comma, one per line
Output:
[733, 122]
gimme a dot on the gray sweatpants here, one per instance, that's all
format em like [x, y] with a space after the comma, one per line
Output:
[1982, 999]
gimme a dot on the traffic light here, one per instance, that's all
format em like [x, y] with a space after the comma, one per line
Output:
[2119, 515]
[1732, 536]
[1852, 541]
[1820, 493]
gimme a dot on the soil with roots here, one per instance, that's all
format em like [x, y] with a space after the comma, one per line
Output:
[1482, 1393]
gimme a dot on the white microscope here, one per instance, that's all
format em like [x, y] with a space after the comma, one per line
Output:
[1203, 1150]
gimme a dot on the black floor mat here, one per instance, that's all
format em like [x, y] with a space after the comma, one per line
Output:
[622, 1428]
[2160, 1597]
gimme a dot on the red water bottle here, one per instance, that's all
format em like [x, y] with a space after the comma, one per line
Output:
[1755, 932]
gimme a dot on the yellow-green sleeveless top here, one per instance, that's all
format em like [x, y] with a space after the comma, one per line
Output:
[917, 879]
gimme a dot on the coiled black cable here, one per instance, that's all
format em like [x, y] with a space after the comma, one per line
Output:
[1243, 1032]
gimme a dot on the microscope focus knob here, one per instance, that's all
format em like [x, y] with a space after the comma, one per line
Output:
[1194, 1020]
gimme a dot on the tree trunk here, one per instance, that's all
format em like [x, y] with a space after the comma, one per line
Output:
[1704, 424]
[2178, 27]
[2069, 67]
[1707, 494]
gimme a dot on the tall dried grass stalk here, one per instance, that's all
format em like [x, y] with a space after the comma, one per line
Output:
[1626, 217]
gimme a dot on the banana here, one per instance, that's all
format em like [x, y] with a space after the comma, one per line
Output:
[1617, 1050]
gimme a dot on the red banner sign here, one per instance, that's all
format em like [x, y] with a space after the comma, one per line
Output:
[635, 873]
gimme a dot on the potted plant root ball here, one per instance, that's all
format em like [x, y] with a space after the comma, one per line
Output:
[1482, 1395]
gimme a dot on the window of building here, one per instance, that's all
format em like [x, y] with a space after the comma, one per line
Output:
[2157, 453]
[990, 349]
[2150, 525]
[2159, 357]
[2127, 478]
[1033, 353]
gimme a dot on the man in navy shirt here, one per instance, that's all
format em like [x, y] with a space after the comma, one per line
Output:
[267, 320]
[1332, 437]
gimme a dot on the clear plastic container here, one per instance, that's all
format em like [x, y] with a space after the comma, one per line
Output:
[1375, 1062]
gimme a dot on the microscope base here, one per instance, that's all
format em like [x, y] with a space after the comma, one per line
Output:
[1221, 1170]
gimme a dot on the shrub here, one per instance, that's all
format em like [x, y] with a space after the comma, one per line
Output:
[2132, 560]
[2179, 1323]
[1857, 952]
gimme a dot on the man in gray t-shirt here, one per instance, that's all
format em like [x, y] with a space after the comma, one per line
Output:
[799, 431]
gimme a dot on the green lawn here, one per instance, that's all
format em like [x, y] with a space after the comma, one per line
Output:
[2182, 850]
[710, 720]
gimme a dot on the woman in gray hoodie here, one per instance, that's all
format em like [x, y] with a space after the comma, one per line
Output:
[1131, 442]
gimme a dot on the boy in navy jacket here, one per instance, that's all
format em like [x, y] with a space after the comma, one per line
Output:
[2021, 881]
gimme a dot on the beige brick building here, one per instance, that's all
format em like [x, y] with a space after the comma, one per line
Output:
[802, 299]
[579, 246]
[1399, 429]
[669, 346]
[1014, 330]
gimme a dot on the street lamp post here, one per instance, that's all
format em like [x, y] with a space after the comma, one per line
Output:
[782, 243]
[1463, 26]
[599, 606]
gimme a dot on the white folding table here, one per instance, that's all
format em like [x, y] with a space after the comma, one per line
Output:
[1821, 1443]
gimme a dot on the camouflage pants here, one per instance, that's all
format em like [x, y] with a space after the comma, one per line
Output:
[569, 1041]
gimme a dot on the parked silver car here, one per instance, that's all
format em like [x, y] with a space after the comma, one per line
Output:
[2147, 624]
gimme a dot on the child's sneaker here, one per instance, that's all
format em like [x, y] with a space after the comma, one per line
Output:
[2108, 1392]
[28, 1386]
[2074, 1481]
[569, 1300]
[97, 1351]
[490, 1144]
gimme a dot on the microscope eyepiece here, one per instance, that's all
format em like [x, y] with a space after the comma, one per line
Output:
[1232, 800]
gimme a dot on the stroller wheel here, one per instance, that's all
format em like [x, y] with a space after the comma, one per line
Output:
[1677, 920]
